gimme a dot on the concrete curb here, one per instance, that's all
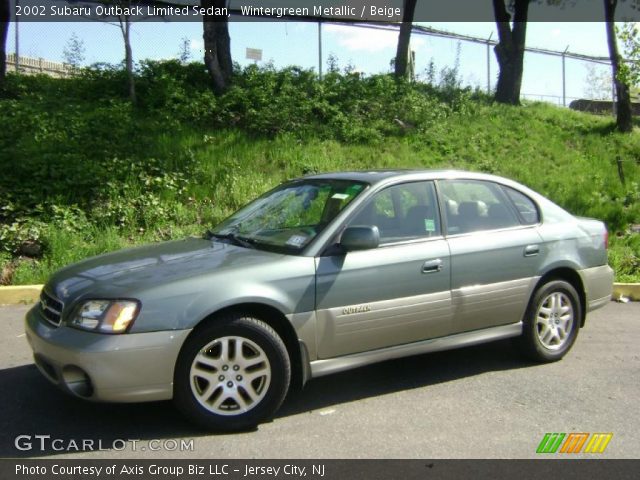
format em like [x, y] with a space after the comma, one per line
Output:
[19, 294]
[30, 293]
[628, 290]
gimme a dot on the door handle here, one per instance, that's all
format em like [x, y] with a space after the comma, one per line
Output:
[531, 250]
[432, 266]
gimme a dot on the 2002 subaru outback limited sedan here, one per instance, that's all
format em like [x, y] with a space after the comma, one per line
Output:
[322, 274]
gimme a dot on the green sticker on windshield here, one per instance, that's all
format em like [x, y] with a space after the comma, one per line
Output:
[429, 225]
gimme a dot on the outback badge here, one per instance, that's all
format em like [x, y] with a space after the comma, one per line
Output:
[356, 309]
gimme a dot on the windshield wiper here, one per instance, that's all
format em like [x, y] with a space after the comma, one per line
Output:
[232, 237]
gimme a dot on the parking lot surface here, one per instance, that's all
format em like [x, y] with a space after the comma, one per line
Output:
[478, 402]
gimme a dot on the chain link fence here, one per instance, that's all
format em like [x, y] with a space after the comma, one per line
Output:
[554, 76]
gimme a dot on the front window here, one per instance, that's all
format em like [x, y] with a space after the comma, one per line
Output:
[407, 211]
[291, 216]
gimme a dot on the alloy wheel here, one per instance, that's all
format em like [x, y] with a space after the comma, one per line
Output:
[230, 375]
[554, 320]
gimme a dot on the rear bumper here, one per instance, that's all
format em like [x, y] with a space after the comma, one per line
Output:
[116, 368]
[598, 286]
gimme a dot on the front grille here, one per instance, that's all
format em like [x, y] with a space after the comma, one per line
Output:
[51, 308]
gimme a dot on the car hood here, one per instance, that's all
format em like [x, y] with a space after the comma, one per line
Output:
[125, 272]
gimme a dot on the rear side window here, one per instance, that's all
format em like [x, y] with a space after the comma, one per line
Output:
[526, 208]
[473, 205]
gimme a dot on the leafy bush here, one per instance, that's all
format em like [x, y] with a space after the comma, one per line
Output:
[624, 257]
[83, 171]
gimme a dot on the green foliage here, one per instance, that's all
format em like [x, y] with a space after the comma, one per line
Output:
[597, 83]
[174, 93]
[624, 257]
[184, 50]
[74, 51]
[83, 172]
[629, 69]
[343, 106]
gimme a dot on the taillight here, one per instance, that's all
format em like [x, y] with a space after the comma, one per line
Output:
[606, 239]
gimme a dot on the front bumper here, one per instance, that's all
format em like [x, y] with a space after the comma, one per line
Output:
[598, 286]
[132, 367]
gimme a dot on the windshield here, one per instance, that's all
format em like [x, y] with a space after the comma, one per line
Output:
[291, 216]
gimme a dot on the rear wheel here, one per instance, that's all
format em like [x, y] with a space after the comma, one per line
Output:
[232, 374]
[552, 322]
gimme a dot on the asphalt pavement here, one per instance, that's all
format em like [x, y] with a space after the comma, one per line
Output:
[478, 402]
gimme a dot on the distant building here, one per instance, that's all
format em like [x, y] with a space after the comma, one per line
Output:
[602, 107]
[34, 66]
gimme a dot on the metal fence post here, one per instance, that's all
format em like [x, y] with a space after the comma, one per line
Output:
[320, 50]
[564, 80]
[17, 39]
[489, 63]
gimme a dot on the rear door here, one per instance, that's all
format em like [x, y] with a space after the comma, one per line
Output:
[395, 294]
[495, 252]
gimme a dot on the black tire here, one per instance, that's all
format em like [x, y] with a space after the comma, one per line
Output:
[238, 410]
[530, 343]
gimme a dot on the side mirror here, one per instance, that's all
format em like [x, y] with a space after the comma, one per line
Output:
[360, 238]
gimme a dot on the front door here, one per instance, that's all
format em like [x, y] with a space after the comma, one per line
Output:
[395, 294]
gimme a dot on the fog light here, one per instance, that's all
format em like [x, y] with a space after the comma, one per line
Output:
[77, 381]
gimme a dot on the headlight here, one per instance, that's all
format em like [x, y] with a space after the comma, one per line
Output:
[107, 316]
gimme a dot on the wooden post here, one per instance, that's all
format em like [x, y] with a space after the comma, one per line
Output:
[620, 170]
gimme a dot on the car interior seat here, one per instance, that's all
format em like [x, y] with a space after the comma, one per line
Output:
[468, 216]
[499, 216]
[417, 219]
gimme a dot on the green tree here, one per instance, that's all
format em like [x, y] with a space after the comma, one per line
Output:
[597, 85]
[333, 65]
[184, 50]
[74, 50]
[629, 68]
[124, 24]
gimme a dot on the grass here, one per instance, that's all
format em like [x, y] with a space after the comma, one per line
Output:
[84, 173]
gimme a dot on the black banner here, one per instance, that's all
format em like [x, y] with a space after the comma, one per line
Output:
[376, 11]
[318, 469]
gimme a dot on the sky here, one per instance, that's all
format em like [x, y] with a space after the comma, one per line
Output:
[366, 50]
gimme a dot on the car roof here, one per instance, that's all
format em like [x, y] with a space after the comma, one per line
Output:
[377, 176]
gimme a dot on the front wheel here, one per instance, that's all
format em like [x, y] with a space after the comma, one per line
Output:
[552, 322]
[231, 374]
